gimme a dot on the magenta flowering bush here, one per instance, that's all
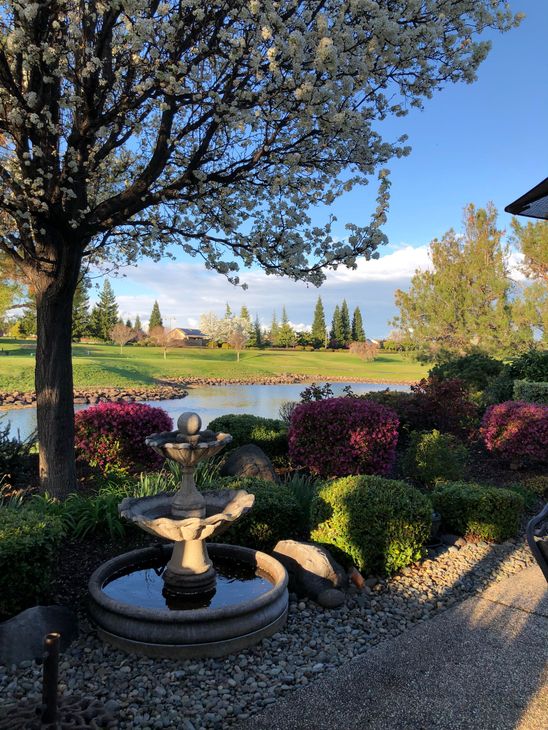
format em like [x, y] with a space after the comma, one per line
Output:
[516, 431]
[343, 436]
[112, 435]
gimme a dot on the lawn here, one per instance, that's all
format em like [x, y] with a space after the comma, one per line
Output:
[103, 365]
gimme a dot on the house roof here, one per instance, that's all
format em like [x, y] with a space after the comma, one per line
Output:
[189, 332]
[534, 203]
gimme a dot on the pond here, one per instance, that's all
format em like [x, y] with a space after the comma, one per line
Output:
[211, 401]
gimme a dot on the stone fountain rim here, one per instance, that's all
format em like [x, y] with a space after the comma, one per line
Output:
[152, 441]
[198, 615]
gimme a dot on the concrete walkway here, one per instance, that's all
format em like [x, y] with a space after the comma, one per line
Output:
[479, 666]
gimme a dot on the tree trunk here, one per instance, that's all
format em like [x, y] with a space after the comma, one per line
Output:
[53, 378]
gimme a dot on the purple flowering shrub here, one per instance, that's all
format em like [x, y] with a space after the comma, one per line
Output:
[516, 431]
[343, 436]
[112, 435]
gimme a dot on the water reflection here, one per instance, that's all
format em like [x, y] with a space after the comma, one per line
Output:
[212, 401]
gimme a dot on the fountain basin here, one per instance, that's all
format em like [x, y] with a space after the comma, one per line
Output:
[194, 632]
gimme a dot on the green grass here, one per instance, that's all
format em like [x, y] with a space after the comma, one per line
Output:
[103, 365]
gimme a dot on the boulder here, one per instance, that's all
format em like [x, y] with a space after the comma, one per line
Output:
[22, 637]
[313, 572]
[249, 461]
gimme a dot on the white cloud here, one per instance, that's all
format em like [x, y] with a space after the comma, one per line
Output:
[185, 290]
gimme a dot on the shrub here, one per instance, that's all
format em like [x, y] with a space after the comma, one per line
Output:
[29, 543]
[12, 451]
[432, 456]
[275, 515]
[303, 487]
[270, 434]
[489, 513]
[112, 435]
[315, 392]
[532, 365]
[342, 436]
[476, 370]
[529, 392]
[516, 431]
[536, 485]
[381, 524]
[442, 404]
[285, 411]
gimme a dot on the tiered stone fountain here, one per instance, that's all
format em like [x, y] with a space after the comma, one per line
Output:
[188, 599]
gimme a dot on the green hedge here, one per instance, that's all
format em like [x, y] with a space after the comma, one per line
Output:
[489, 513]
[380, 523]
[29, 544]
[269, 434]
[524, 390]
[276, 515]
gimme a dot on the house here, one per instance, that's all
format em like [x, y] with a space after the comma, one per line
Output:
[183, 337]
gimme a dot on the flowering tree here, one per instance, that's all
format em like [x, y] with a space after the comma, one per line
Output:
[236, 331]
[121, 334]
[131, 124]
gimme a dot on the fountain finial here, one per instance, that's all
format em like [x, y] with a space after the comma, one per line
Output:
[189, 423]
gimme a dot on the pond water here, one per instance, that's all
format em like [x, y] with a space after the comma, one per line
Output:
[211, 401]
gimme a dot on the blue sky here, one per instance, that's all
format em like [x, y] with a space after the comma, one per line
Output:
[471, 143]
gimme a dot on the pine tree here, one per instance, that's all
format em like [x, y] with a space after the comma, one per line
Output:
[358, 333]
[286, 335]
[128, 323]
[346, 331]
[244, 313]
[228, 311]
[257, 333]
[274, 330]
[155, 318]
[318, 325]
[105, 313]
[80, 311]
[336, 334]
[463, 303]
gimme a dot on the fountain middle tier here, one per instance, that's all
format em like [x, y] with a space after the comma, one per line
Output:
[189, 569]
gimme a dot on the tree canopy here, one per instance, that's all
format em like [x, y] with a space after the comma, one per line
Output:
[465, 301]
[127, 126]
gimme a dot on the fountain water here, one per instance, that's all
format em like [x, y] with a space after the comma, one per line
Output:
[188, 599]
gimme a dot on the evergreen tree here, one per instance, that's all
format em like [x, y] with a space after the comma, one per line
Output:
[346, 331]
[257, 333]
[155, 318]
[336, 328]
[128, 323]
[27, 322]
[274, 330]
[244, 313]
[286, 335]
[228, 311]
[318, 325]
[138, 327]
[105, 313]
[358, 333]
[81, 322]
[463, 304]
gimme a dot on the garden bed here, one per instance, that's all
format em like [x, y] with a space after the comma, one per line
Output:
[220, 693]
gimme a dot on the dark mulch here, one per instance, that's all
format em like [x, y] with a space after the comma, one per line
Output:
[79, 558]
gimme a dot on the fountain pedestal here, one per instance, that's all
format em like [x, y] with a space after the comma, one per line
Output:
[189, 569]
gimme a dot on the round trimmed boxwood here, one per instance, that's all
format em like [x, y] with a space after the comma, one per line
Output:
[380, 523]
[275, 515]
[489, 513]
[29, 543]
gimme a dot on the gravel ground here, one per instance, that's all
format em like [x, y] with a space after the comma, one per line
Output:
[219, 693]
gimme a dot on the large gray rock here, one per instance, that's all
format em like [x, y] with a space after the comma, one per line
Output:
[313, 572]
[249, 461]
[22, 637]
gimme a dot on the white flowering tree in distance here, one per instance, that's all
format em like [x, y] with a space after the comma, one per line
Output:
[130, 125]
